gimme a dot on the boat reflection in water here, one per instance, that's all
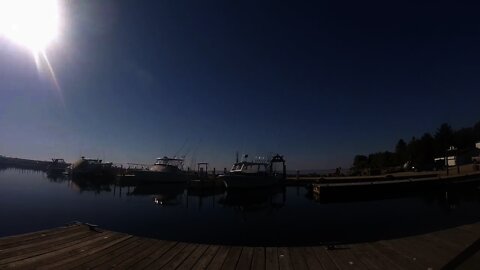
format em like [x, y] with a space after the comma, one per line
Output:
[95, 184]
[57, 177]
[251, 200]
[166, 194]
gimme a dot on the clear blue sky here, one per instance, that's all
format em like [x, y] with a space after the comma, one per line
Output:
[318, 83]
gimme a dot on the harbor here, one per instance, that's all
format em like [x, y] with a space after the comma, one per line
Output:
[239, 135]
[171, 170]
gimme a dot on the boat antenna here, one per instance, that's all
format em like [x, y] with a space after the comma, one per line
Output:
[181, 148]
[236, 155]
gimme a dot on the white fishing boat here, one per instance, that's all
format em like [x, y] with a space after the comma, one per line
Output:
[254, 174]
[165, 170]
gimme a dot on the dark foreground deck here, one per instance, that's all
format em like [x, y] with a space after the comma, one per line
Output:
[79, 247]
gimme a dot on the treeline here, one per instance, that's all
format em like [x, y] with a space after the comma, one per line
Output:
[419, 152]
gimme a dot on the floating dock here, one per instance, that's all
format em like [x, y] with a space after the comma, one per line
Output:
[81, 247]
[394, 183]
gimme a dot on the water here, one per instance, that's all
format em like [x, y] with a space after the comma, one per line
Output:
[30, 201]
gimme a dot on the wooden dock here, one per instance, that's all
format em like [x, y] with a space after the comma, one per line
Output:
[396, 183]
[82, 247]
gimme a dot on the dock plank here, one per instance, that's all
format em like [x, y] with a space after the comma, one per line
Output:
[311, 259]
[28, 238]
[219, 258]
[125, 258]
[258, 261]
[296, 256]
[141, 254]
[167, 256]
[114, 253]
[245, 259]
[405, 261]
[180, 257]
[193, 258]
[152, 257]
[20, 255]
[421, 252]
[232, 258]
[372, 259]
[44, 243]
[206, 258]
[284, 261]
[271, 258]
[457, 236]
[77, 255]
[323, 257]
[79, 261]
[58, 250]
[74, 251]
[345, 259]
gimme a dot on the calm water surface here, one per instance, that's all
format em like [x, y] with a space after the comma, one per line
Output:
[30, 201]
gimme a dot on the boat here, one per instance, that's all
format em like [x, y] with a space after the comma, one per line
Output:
[92, 168]
[165, 170]
[57, 166]
[254, 174]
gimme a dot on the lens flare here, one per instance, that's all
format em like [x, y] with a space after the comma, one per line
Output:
[30, 23]
[33, 24]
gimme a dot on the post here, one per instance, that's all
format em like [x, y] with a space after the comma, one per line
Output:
[446, 162]
[214, 173]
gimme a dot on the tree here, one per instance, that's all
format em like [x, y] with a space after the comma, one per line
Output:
[421, 152]
[443, 139]
[476, 132]
[425, 153]
[360, 162]
[464, 138]
[401, 152]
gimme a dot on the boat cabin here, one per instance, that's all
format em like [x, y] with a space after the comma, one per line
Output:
[249, 167]
[167, 164]
[166, 161]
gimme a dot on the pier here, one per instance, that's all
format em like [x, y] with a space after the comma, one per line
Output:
[82, 246]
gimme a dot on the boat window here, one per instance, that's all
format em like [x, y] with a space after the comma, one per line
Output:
[237, 167]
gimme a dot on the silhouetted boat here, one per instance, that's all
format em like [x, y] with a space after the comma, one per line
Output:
[92, 168]
[58, 166]
[165, 170]
[246, 174]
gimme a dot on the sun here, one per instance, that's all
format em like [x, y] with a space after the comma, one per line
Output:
[33, 24]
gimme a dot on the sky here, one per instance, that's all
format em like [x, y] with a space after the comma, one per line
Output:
[316, 81]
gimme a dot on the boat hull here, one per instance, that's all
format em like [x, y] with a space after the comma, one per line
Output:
[248, 181]
[159, 176]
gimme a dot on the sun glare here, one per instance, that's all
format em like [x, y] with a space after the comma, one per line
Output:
[31, 23]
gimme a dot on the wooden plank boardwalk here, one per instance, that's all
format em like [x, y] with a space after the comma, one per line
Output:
[81, 247]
